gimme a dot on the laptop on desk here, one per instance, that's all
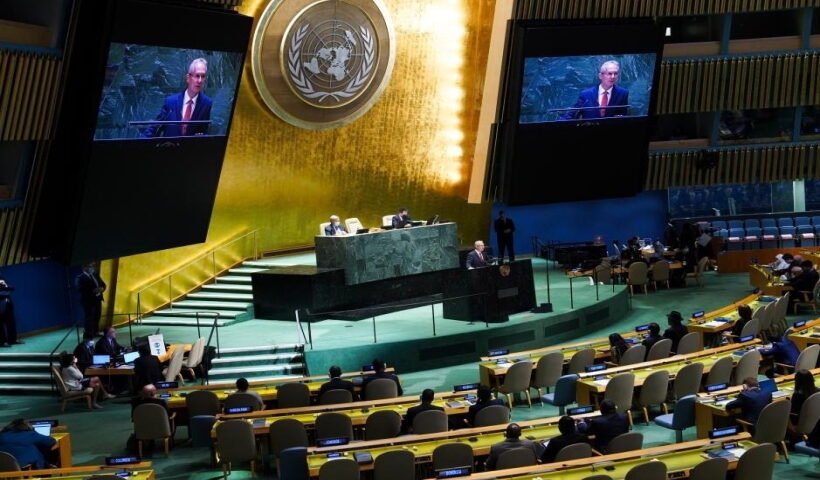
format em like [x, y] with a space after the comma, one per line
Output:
[128, 358]
[98, 361]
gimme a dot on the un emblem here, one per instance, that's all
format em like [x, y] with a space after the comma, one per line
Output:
[322, 64]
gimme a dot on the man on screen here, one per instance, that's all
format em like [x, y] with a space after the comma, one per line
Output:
[607, 96]
[191, 104]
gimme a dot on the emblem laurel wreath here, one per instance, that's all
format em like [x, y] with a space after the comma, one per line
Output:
[303, 84]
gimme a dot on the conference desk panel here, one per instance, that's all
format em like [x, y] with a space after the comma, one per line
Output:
[805, 336]
[711, 325]
[62, 448]
[390, 253]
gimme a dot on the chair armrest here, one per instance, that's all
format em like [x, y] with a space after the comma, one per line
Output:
[596, 453]
[744, 424]
[785, 366]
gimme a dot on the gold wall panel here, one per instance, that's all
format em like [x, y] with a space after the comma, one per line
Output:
[413, 148]
[28, 88]
[558, 9]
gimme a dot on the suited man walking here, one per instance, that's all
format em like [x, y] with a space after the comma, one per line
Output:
[91, 287]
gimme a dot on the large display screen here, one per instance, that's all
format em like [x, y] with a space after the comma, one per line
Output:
[152, 91]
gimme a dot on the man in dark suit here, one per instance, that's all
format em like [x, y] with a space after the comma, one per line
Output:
[401, 219]
[336, 382]
[653, 337]
[676, 330]
[335, 227]
[191, 104]
[606, 427]
[148, 394]
[484, 400]
[84, 352]
[147, 369]
[91, 288]
[511, 441]
[750, 401]
[427, 397]
[782, 351]
[477, 258]
[378, 367]
[602, 101]
[504, 228]
[569, 436]
[804, 282]
[107, 344]
[8, 324]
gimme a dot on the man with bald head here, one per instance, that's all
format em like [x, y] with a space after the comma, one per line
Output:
[513, 441]
[477, 258]
[148, 394]
[604, 100]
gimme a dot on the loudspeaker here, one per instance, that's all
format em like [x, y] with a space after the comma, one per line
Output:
[543, 308]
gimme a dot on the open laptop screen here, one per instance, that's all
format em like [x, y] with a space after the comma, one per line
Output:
[130, 357]
[100, 359]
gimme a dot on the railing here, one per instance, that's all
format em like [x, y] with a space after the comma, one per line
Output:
[164, 291]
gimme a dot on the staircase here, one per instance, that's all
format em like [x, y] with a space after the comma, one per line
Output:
[229, 296]
[257, 363]
[25, 373]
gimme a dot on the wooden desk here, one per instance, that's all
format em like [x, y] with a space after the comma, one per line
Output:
[122, 370]
[718, 321]
[139, 471]
[760, 277]
[63, 448]
[808, 334]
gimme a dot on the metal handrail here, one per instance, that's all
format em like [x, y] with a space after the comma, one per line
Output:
[210, 253]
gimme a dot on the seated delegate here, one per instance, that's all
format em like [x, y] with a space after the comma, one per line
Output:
[335, 227]
[19, 440]
[75, 381]
[605, 427]
[569, 436]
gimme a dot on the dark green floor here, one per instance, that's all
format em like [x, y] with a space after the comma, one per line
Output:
[97, 434]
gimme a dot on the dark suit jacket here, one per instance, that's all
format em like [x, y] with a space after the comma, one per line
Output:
[330, 231]
[104, 348]
[589, 98]
[26, 446]
[400, 221]
[337, 384]
[510, 444]
[649, 341]
[557, 443]
[803, 282]
[784, 351]
[407, 423]
[737, 328]
[85, 284]
[6, 306]
[501, 225]
[146, 370]
[370, 378]
[84, 356]
[172, 110]
[675, 334]
[605, 428]
[750, 402]
[474, 261]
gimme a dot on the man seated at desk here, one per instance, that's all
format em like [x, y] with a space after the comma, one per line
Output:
[335, 227]
[751, 400]
[402, 219]
[427, 397]
[378, 367]
[782, 351]
[107, 344]
[336, 383]
[477, 258]
[19, 440]
[569, 436]
[606, 427]
[148, 394]
[511, 441]
[242, 386]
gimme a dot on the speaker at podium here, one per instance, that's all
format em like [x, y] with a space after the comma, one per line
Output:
[503, 290]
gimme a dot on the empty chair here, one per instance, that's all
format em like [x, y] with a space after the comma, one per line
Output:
[334, 424]
[736, 236]
[720, 224]
[756, 463]
[564, 393]
[771, 424]
[517, 457]
[619, 389]
[322, 227]
[430, 421]
[339, 469]
[194, 358]
[602, 274]
[787, 235]
[653, 392]
[721, 371]
[809, 415]
[517, 380]
[689, 343]
[747, 366]
[712, 469]
[581, 360]
[687, 381]
[293, 394]
[381, 388]
[625, 442]
[8, 463]
[768, 222]
[202, 402]
[574, 451]
[659, 350]
[734, 224]
[286, 433]
[547, 371]
[806, 235]
[235, 442]
[173, 371]
[451, 455]
[597, 477]
[647, 471]
[770, 237]
[241, 399]
[67, 395]
[632, 355]
[751, 223]
[395, 465]
[785, 222]
[353, 225]
[660, 274]
[492, 415]
[637, 276]
[151, 423]
[753, 237]
[382, 424]
[337, 395]
[387, 220]
[681, 418]
[199, 430]
[697, 274]
[292, 464]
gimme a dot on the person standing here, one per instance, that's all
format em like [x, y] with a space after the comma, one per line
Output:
[504, 228]
[8, 324]
[91, 288]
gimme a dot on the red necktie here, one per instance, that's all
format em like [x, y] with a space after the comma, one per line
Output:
[187, 116]
[604, 103]
[480, 256]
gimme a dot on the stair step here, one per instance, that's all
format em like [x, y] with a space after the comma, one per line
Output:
[258, 358]
[212, 305]
[23, 365]
[240, 279]
[246, 297]
[182, 321]
[24, 355]
[24, 388]
[191, 312]
[264, 264]
[249, 369]
[227, 287]
[282, 347]
[28, 377]
[247, 270]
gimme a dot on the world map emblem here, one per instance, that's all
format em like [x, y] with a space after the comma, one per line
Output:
[334, 58]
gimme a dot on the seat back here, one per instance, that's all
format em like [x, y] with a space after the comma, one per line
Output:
[638, 272]
[58, 380]
[293, 394]
[689, 343]
[387, 220]
[293, 464]
[395, 465]
[747, 366]
[712, 469]
[286, 433]
[175, 364]
[647, 471]
[322, 227]
[687, 381]
[339, 469]
[772, 423]
[381, 388]
[151, 422]
[382, 424]
[430, 421]
[548, 370]
[684, 415]
[785, 222]
[451, 455]
[721, 371]
[517, 457]
[574, 451]
[241, 399]
[659, 350]
[353, 224]
[809, 414]
[660, 272]
[756, 463]
[8, 463]
[603, 274]
[492, 415]
[620, 389]
[565, 390]
[337, 395]
[202, 402]
[752, 327]
[334, 424]
[807, 360]
[654, 388]
[632, 355]
[625, 442]
[581, 360]
[199, 429]
[517, 378]
[196, 353]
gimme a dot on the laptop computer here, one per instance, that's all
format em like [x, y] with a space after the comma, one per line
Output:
[98, 360]
[768, 385]
[130, 357]
[42, 428]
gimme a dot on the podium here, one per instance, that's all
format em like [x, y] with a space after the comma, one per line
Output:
[507, 289]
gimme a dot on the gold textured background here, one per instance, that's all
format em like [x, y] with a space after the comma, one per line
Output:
[412, 148]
